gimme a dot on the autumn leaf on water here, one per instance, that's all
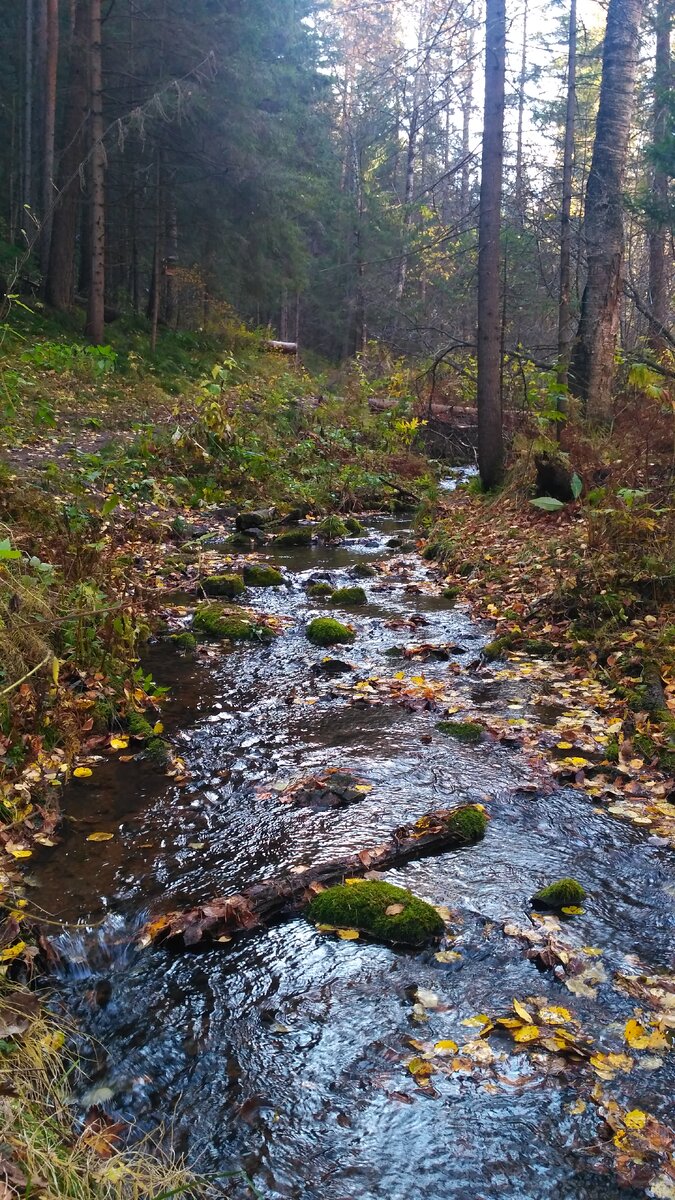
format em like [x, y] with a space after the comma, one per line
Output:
[11, 952]
[100, 837]
[82, 772]
[526, 1033]
[348, 935]
[119, 743]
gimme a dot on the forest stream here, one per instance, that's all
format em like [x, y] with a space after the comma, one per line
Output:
[285, 1055]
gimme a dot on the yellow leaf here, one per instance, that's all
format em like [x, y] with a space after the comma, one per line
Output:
[522, 1012]
[479, 1020]
[509, 1022]
[526, 1033]
[82, 772]
[420, 1067]
[572, 910]
[554, 1015]
[119, 743]
[565, 745]
[592, 951]
[12, 951]
[363, 787]
[19, 852]
[445, 956]
[577, 1108]
[636, 1035]
[447, 1044]
[100, 837]
[56, 664]
[158, 727]
[394, 909]
[348, 935]
[53, 1041]
[635, 1119]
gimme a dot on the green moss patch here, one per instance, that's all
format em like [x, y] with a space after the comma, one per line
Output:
[364, 571]
[185, 641]
[319, 590]
[158, 752]
[497, 648]
[463, 731]
[138, 725]
[262, 575]
[219, 623]
[468, 824]
[324, 631]
[363, 906]
[560, 894]
[229, 586]
[350, 596]
[354, 526]
[294, 537]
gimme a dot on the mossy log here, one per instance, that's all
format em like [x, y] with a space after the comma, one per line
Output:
[261, 904]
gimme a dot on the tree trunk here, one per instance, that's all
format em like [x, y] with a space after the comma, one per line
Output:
[49, 131]
[95, 328]
[27, 174]
[592, 366]
[61, 273]
[225, 917]
[564, 327]
[490, 434]
[520, 181]
[659, 282]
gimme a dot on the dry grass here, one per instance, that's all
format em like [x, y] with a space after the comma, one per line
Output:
[42, 1152]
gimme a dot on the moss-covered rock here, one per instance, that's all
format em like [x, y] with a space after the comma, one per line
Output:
[354, 526]
[498, 648]
[349, 596]
[138, 725]
[451, 592]
[294, 537]
[364, 571]
[319, 590]
[185, 641]
[560, 894]
[229, 586]
[231, 624]
[331, 529]
[158, 752]
[262, 575]
[468, 824]
[324, 631]
[463, 731]
[364, 906]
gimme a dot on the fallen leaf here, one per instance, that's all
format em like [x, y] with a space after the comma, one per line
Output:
[635, 1119]
[394, 909]
[348, 935]
[526, 1033]
[82, 772]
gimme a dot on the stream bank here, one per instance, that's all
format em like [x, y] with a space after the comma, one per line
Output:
[299, 1051]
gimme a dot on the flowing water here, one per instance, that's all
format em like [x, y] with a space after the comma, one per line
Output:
[284, 1054]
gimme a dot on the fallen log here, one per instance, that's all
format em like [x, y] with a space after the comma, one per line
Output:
[226, 917]
[281, 347]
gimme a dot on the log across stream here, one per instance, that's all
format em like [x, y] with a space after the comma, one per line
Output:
[287, 1055]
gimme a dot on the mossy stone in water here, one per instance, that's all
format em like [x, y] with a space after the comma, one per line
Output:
[158, 752]
[364, 906]
[468, 824]
[364, 571]
[560, 894]
[324, 631]
[349, 596]
[228, 586]
[262, 575]
[451, 592]
[319, 590]
[185, 641]
[214, 621]
[464, 731]
[354, 526]
[294, 537]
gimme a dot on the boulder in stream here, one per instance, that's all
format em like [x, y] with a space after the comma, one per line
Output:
[351, 596]
[262, 575]
[324, 631]
[220, 623]
[230, 586]
[254, 520]
[561, 894]
[385, 912]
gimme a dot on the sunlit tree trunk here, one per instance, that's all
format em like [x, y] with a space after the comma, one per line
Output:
[520, 179]
[490, 436]
[659, 274]
[96, 301]
[49, 130]
[592, 366]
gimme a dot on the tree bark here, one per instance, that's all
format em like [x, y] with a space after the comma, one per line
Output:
[592, 365]
[49, 131]
[61, 274]
[490, 433]
[27, 174]
[225, 917]
[95, 327]
[659, 281]
[564, 314]
[520, 178]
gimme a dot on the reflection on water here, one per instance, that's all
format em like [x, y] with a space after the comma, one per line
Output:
[285, 1054]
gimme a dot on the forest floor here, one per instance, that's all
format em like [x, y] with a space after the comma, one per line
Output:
[122, 478]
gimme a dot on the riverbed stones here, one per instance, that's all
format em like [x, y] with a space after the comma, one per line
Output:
[254, 520]
[299, 536]
[229, 586]
[218, 623]
[262, 575]
[349, 596]
[564, 893]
